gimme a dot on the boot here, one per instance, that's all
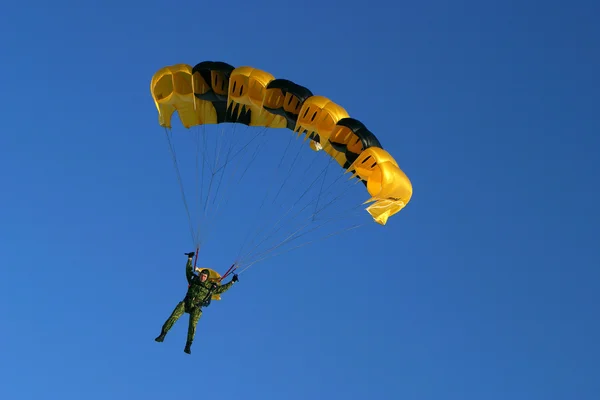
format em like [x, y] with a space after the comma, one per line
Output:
[161, 337]
[190, 255]
[188, 349]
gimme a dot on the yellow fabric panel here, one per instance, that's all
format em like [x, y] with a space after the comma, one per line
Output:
[389, 181]
[219, 82]
[388, 185]
[319, 115]
[247, 91]
[199, 85]
[275, 99]
[336, 155]
[381, 210]
[205, 110]
[171, 89]
[213, 276]
[368, 160]
[344, 135]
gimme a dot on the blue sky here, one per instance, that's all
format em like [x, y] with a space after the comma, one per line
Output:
[484, 287]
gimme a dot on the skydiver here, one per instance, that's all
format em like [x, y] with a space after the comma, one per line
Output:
[198, 295]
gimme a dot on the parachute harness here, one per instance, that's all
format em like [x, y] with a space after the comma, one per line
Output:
[207, 299]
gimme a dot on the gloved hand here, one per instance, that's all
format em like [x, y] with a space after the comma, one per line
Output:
[235, 278]
[190, 255]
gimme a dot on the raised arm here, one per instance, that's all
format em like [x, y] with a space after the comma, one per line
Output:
[189, 269]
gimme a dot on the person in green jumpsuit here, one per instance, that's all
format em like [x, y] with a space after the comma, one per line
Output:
[199, 293]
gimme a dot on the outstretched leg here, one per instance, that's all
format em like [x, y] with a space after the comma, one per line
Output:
[177, 312]
[195, 314]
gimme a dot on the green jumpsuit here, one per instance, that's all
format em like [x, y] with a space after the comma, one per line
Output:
[198, 295]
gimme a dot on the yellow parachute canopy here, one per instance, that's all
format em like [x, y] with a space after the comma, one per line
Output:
[216, 92]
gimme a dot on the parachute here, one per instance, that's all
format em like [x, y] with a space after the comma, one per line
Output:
[214, 92]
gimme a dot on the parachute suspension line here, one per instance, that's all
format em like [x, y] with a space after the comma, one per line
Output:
[295, 235]
[229, 184]
[279, 244]
[179, 180]
[270, 235]
[272, 180]
[332, 201]
[201, 143]
[230, 148]
[299, 246]
[228, 160]
[218, 147]
[212, 177]
[289, 173]
[260, 231]
[204, 145]
[329, 187]
[198, 134]
[267, 254]
[321, 190]
[214, 171]
[286, 213]
[252, 159]
[197, 192]
[243, 147]
[312, 217]
[199, 182]
[274, 172]
[262, 133]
